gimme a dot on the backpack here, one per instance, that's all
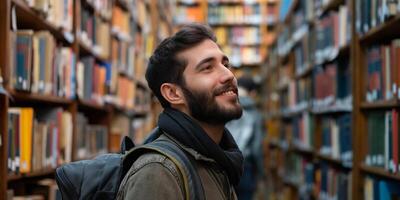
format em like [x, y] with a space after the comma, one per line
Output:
[101, 177]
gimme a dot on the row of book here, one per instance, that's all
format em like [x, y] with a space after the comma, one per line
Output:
[331, 183]
[142, 99]
[334, 83]
[140, 12]
[316, 180]
[302, 127]
[299, 172]
[324, 182]
[235, 14]
[39, 65]
[121, 23]
[58, 13]
[382, 63]
[141, 128]
[303, 54]
[95, 33]
[92, 79]
[372, 13]
[93, 138]
[38, 139]
[238, 35]
[337, 138]
[332, 32]
[380, 189]
[297, 95]
[297, 29]
[123, 57]
[186, 14]
[383, 140]
[101, 83]
[301, 15]
[103, 7]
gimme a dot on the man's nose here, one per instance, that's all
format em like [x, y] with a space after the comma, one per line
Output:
[227, 74]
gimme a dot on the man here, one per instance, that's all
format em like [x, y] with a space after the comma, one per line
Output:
[191, 78]
[248, 134]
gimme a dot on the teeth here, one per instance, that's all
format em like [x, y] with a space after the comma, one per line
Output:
[228, 93]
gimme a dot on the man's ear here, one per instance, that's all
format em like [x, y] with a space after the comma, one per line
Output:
[172, 93]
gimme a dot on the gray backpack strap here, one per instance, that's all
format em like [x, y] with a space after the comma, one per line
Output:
[184, 163]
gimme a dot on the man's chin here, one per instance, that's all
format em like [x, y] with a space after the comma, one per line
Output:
[234, 112]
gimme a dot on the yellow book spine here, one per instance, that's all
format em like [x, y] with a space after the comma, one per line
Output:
[26, 139]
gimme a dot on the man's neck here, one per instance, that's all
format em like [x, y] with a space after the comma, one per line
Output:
[215, 132]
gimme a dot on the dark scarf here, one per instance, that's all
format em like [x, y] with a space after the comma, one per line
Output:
[185, 130]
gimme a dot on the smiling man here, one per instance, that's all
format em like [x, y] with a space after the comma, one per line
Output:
[191, 77]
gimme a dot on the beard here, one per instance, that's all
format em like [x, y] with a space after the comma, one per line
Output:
[203, 107]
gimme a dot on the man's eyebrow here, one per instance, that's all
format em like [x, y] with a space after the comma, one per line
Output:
[206, 60]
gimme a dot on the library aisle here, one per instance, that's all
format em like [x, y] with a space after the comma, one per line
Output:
[72, 86]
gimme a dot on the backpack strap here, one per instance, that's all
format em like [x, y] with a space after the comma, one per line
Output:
[184, 163]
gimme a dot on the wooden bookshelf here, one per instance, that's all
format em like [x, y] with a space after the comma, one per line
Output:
[34, 175]
[85, 50]
[332, 4]
[390, 29]
[306, 124]
[379, 105]
[43, 99]
[366, 39]
[97, 115]
[379, 172]
[334, 161]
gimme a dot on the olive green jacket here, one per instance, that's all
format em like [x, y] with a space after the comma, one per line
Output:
[154, 176]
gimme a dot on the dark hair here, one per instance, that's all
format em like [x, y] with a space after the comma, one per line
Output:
[164, 66]
[247, 83]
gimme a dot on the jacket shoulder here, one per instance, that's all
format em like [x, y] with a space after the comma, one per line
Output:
[149, 172]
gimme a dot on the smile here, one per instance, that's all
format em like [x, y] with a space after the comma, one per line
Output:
[228, 93]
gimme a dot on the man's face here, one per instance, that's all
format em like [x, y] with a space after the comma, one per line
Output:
[209, 88]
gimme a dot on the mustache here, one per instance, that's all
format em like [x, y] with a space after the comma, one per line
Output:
[225, 88]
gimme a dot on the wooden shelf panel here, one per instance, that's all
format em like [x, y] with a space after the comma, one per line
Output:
[379, 172]
[303, 151]
[382, 33]
[305, 72]
[333, 4]
[380, 105]
[122, 4]
[37, 98]
[85, 50]
[33, 175]
[188, 3]
[232, 3]
[89, 105]
[30, 19]
[337, 162]
[218, 24]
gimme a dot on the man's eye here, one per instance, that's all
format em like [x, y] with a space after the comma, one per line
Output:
[208, 67]
[227, 65]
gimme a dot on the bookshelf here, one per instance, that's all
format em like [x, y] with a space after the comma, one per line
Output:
[80, 59]
[367, 63]
[308, 89]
